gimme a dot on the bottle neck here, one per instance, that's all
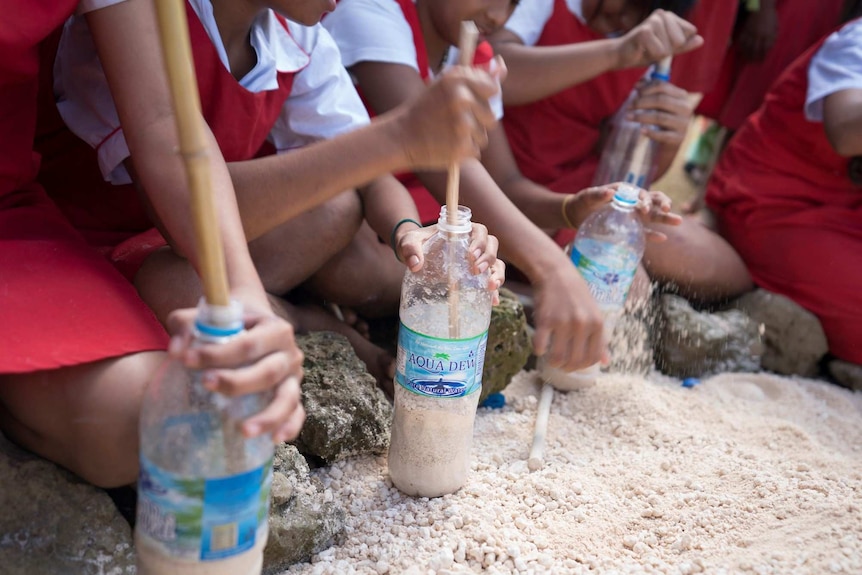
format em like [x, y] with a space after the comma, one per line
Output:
[460, 227]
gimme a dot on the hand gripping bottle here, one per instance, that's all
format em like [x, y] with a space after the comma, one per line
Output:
[445, 312]
[629, 156]
[203, 490]
[606, 251]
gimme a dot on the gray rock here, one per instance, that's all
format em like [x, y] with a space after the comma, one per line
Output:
[301, 519]
[509, 344]
[846, 373]
[692, 343]
[793, 338]
[54, 524]
[347, 414]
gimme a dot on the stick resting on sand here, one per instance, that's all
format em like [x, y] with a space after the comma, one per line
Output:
[537, 451]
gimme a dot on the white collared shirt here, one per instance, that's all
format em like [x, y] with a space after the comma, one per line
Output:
[530, 17]
[322, 104]
[837, 66]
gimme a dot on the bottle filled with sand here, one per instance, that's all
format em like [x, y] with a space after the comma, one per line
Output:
[445, 313]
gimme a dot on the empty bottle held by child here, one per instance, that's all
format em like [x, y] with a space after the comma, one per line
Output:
[629, 155]
[445, 313]
[606, 251]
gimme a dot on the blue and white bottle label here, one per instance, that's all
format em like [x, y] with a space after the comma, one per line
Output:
[609, 285]
[436, 367]
[203, 519]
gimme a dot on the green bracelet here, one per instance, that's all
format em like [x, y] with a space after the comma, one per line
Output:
[395, 229]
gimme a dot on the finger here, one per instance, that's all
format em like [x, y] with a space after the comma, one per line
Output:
[497, 276]
[654, 236]
[180, 324]
[264, 335]
[279, 411]
[665, 137]
[290, 430]
[488, 257]
[478, 242]
[259, 376]
[410, 252]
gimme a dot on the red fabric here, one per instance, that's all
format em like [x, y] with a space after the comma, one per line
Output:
[427, 206]
[556, 141]
[786, 203]
[801, 23]
[697, 71]
[61, 303]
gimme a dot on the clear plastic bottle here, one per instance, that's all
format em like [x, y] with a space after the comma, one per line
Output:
[628, 155]
[445, 313]
[606, 251]
[203, 489]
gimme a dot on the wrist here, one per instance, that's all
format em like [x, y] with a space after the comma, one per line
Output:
[399, 230]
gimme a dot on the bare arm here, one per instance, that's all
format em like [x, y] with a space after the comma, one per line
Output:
[126, 37]
[569, 326]
[842, 120]
[537, 72]
[441, 124]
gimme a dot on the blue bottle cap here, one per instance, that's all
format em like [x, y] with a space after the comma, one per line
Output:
[690, 382]
[494, 401]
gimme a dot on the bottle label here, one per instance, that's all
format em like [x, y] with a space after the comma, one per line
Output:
[609, 285]
[436, 367]
[193, 518]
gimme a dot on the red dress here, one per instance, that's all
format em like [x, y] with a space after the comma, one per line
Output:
[61, 302]
[426, 204]
[786, 202]
[742, 85]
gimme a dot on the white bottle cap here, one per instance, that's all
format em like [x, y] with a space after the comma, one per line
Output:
[628, 195]
[218, 321]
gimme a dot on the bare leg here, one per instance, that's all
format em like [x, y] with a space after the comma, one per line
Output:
[84, 418]
[698, 261]
[365, 276]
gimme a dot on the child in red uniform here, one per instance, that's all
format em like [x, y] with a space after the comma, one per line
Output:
[78, 345]
[267, 85]
[786, 190]
[572, 64]
[392, 48]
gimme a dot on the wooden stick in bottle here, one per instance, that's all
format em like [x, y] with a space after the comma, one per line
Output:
[176, 48]
[466, 49]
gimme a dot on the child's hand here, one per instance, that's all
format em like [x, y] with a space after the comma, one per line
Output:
[264, 357]
[580, 205]
[482, 253]
[661, 35]
[665, 106]
[448, 122]
[654, 207]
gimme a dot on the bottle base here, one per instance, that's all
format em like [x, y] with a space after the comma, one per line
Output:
[569, 381]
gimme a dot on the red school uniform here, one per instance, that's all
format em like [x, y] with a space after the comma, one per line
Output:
[61, 302]
[792, 208]
[239, 119]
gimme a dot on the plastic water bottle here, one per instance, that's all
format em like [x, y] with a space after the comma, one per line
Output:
[445, 312]
[203, 489]
[629, 156]
[606, 251]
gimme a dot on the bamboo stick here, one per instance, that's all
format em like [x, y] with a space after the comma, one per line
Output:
[176, 48]
[536, 459]
[179, 64]
[466, 48]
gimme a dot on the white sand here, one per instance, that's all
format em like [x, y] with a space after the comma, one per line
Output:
[741, 474]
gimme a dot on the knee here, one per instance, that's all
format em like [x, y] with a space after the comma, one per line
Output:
[344, 216]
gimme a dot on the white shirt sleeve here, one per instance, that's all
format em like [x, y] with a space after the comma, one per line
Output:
[529, 19]
[84, 99]
[837, 66]
[85, 6]
[372, 31]
[323, 102]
